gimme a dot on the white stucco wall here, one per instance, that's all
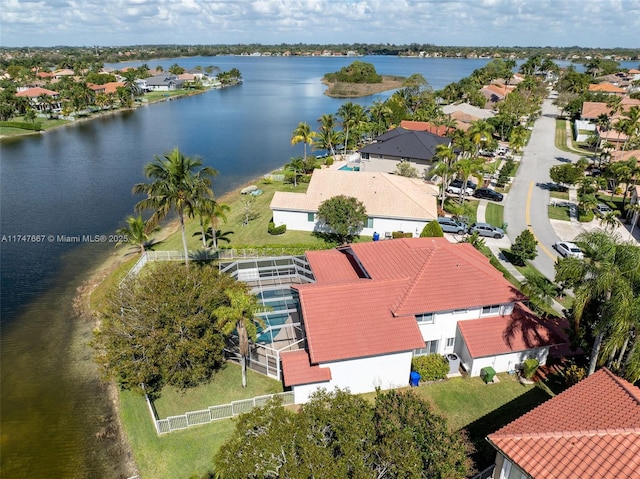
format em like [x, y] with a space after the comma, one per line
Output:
[386, 165]
[299, 221]
[362, 375]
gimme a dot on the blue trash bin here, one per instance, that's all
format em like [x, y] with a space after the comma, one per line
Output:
[414, 379]
[376, 236]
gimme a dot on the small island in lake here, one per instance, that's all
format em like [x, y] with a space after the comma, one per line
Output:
[359, 79]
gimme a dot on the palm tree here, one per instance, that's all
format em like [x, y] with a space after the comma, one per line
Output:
[480, 132]
[518, 138]
[241, 315]
[465, 169]
[136, 233]
[209, 212]
[609, 221]
[303, 134]
[349, 111]
[380, 116]
[176, 183]
[604, 284]
[445, 156]
[634, 212]
[540, 290]
[297, 167]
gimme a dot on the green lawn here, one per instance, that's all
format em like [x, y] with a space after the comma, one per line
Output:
[235, 233]
[180, 454]
[562, 195]
[469, 403]
[225, 387]
[559, 213]
[494, 214]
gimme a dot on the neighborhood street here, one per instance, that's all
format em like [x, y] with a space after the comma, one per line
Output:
[528, 198]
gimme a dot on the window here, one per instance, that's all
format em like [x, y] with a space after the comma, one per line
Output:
[450, 342]
[430, 347]
[459, 311]
[426, 318]
[369, 222]
[493, 309]
[311, 217]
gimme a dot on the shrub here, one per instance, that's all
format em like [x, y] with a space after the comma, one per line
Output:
[530, 367]
[276, 230]
[432, 230]
[329, 161]
[585, 216]
[524, 247]
[574, 374]
[431, 367]
[400, 234]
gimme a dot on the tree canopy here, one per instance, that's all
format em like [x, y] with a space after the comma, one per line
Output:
[338, 435]
[357, 72]
[344, 215]
[160, 328]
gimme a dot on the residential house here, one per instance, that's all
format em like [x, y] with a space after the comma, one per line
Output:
[590, 430]
[164, 82]
[398, 145]
[439, 130]
[465, 114]
[110, 87]
[606, 87]
[376, 305]
[495, 92]
[33, 95]
[392, 202]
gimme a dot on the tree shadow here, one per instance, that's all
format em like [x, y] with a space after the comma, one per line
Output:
[484, 454]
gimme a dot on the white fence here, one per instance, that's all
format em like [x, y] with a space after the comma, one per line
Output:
[213, 413]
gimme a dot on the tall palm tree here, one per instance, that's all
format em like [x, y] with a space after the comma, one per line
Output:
[445, 157]
[634, 212]
[466, 168]
[209, 212]
[241, 315]
[303, 134]
[177, 180]
[136, 233]
[605, 285]
[349, 112]
[328, 137]
[480, 132]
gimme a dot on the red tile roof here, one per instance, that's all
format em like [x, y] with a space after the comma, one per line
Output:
[36, 92]
[353, 320]
[439, 130]
[367, 294]
[590, 430]
[519, 331]
[606, 87]
[296, 369]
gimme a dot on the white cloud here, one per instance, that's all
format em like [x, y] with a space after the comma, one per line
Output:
[597, 23]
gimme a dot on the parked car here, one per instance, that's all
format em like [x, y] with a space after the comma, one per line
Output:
[566, 249]
[488, 194]
[602, 209]
[452, 225]
[458, 183]
[485, 229]
[455, 189]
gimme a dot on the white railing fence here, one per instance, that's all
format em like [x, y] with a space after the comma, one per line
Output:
[214, 413]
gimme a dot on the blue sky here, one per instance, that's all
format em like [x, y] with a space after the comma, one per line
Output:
[587, 23]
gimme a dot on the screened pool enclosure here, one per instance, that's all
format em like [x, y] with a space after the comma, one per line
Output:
[270, 279]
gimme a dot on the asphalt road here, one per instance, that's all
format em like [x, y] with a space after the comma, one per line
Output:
[529, 196]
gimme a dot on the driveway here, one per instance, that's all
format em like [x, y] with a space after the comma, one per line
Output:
[529, 194]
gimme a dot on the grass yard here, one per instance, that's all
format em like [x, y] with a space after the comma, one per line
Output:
[235, 233]
[469, 403]
[494, 214]
[561, 195]
[559, 213]
[225, 387]
[180, 454]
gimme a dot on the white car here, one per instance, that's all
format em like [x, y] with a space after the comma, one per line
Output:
[456, 190]
[566, 249]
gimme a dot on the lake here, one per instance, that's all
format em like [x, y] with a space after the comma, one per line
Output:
[76, 181]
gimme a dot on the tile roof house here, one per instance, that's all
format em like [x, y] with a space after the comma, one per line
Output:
[465, 114]
[439, 130]
[33, 94]
[110, 87]
[376, 305]
[606, 87]
[590, 430]
[400, 144]
[496, 92]
[392, 202]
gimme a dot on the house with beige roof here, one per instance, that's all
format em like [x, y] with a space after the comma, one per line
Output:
[373, 306]
[392, 202]
[591, 430]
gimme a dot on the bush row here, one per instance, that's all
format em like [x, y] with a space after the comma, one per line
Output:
[23, 125]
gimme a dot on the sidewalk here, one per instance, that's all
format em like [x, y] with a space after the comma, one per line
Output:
[496, 245]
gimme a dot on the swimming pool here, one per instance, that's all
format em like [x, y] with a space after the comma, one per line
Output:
[349, 168]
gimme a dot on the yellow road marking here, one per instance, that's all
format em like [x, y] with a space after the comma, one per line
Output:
[527, 218]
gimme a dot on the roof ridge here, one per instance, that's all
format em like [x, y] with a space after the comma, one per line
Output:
[392, 182]
[397, 304]
[626, 386]
[618, 431]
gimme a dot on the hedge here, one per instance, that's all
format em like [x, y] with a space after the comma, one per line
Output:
[23, 125]
[276, 230]
[431, 367]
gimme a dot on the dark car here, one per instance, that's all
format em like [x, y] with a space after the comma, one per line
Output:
[457, 183]
[488, 194]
